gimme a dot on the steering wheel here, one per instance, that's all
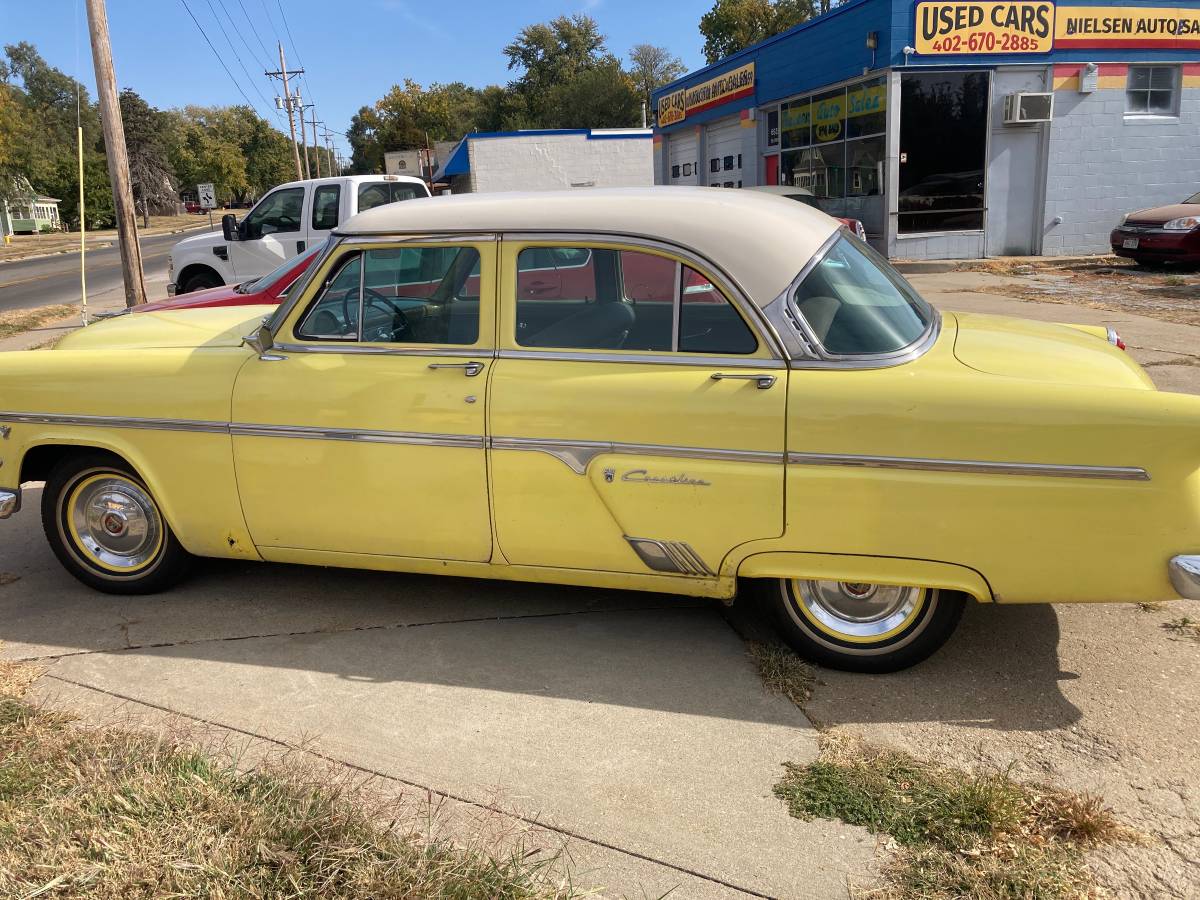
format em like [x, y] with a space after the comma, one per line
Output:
[287, 223]
[400, 324]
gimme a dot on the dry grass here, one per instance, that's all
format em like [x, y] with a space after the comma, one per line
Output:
[1184, 628]
[111, 814]
[782, 671]
[956, 834]
[21, 321]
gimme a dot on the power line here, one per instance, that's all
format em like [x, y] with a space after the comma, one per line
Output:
[200, 28]
[253, 83]
[240, 32]
[254, 28]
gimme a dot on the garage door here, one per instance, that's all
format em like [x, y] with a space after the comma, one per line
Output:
[723, 168]
[682, 150]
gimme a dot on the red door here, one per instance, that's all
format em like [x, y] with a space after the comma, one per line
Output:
[771, 176]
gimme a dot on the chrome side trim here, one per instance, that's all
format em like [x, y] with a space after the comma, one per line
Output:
[675, 557]
[116, 422]
[981, 467]
[711, 362]
[1185, 576]
[366, 437]
[378, 350]
[10, 502]
[579, 454]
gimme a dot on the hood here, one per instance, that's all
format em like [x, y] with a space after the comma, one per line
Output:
[201, 241]
[206, 297]
[1042, 351]
[1161, 214]
[221, 326]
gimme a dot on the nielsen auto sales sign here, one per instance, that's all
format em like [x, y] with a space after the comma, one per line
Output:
[677, 105]
[1036, 26]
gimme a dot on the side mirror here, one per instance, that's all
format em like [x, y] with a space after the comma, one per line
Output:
[261, 341]
[229, 227]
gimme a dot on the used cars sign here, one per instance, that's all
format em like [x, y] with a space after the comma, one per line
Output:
[953, 28]
[677, 105]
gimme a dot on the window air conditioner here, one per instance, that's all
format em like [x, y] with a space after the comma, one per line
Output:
[1021, 109]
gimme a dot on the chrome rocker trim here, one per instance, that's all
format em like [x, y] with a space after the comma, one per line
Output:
[10, 503]
[579, 454]
[1185, 576]
[979, 467]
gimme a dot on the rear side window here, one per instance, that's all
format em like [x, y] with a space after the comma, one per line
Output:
[326, 200]
[623, 300]
[856, 304]
[378, 193]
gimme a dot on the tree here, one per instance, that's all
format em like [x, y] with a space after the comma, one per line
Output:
[733, 25]
[651, 67]
[551, 54]
[603, 96]
[150, 173]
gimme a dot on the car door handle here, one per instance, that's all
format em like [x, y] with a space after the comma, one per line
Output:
[299, 246]
[471, 368]
[763, 381]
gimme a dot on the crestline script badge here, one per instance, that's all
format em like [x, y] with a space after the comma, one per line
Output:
[641, 476]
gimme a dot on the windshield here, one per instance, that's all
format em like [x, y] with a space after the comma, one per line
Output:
[1195, 198]
[856, 304]
[266, 281]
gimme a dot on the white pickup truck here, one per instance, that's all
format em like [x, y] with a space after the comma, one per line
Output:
[286, 221]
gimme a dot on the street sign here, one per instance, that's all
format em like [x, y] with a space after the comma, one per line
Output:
[208, 196]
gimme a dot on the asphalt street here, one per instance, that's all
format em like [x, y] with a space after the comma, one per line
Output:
[50, 280]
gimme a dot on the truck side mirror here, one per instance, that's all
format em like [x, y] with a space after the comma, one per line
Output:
[229, 227]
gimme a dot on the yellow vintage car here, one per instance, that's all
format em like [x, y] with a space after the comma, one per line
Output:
[681, 390]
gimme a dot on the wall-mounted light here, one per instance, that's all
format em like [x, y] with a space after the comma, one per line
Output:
[872, 40]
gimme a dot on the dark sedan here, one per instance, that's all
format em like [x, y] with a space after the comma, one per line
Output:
[1164, 234]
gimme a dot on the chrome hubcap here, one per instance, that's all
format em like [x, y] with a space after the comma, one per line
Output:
[116, 522]
[858, 609]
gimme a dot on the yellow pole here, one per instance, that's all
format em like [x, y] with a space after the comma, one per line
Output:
[82, 231]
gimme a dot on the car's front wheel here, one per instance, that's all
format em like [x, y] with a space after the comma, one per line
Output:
[106, 528]
[862, 627]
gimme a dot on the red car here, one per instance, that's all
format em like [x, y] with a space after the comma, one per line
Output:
[270, 288]
[1164, 234]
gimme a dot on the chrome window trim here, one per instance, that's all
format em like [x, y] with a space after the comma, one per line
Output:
[578, 455]
[807, 352]
[979, 467]
[651, 358]
[305, 432]
[299, 286]
[387, 350]
[750, 311]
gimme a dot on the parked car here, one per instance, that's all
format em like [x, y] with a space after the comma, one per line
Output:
[282, 224]
[805, 196]
[193, 207]
[781, 415]
[270, 288]
[1163, 234]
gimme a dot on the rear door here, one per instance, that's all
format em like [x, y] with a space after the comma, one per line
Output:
[325, 210]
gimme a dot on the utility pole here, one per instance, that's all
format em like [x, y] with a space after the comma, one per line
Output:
[283, 75]
[118, 159]
[301, 106]
[317, 143]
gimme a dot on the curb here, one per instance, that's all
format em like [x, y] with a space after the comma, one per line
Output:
[940, 266]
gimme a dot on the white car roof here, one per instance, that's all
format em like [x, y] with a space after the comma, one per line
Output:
[760, 241]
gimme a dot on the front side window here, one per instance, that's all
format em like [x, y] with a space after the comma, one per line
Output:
[378, 193]
[856, 304]
[409, 295]
[1151, 91]
[326, 200]
[622, 300]
[278, 213]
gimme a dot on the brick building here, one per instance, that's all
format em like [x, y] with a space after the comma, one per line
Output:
[955, 129]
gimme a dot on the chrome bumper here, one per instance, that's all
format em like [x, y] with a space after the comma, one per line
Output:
[10, 502]
[1185, 576]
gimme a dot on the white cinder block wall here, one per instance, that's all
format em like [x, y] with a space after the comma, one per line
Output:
[538, 162]
[1103, 164]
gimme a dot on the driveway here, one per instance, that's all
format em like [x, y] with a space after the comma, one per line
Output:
[629, 727]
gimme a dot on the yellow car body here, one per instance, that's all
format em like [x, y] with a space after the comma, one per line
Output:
[1012, 461]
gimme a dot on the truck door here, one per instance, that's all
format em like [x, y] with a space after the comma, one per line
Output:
[274, 230]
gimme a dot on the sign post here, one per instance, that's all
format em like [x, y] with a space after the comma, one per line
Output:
[208, 200]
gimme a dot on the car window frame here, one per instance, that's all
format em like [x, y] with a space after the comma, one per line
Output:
[292, 314]
[336, 189]
[768, 353]
[245, 224]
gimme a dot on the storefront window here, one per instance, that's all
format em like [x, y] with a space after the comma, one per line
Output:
[829, 117]
[773, 128]
[829, 171]
[866, 108]
[943, 143]
[796, 119]
[864, 167]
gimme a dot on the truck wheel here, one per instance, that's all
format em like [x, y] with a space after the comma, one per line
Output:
[199, 281]
[106, 528]
[862, 627]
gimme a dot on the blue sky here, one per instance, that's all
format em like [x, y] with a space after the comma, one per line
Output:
[352, 50]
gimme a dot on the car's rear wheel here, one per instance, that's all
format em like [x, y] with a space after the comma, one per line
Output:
[199, 281]
[862, 627]
[106, 528]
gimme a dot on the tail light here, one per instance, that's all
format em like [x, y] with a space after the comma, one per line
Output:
[1115, 339]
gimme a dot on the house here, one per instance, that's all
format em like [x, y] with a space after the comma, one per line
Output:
[29, 216]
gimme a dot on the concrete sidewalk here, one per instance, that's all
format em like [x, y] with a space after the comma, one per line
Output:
[632, 726]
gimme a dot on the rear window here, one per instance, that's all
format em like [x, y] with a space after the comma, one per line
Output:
[856, 304]
[378, 193]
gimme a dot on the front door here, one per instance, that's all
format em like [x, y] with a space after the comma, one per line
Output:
[273, 231]
[363, 431]
[637, 418]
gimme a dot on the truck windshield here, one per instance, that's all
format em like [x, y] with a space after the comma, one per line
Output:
[856, 304]
[378, 193]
